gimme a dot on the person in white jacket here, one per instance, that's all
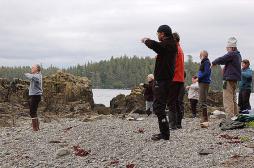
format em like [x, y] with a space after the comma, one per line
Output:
[193, 95]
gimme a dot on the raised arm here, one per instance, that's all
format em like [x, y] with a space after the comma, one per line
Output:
[223, 60]
[32, 76]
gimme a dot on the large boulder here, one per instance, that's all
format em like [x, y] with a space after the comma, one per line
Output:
[64, 92]
[134, 102]
[214, 102]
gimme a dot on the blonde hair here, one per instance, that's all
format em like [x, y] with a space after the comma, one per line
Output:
[204, 53]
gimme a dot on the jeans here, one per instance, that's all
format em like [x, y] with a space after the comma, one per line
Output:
[244, 99]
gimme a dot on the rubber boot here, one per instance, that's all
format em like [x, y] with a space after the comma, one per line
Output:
[164, 130]
[179, 118]
[172, 120]
[204, 122]
[205, 114]
[35, 124]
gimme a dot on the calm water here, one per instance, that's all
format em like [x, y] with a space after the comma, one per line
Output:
[103, 96]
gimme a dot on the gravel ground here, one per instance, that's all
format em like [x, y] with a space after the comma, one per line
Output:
[114, 142]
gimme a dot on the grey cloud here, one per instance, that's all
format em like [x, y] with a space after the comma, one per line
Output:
[63, 32]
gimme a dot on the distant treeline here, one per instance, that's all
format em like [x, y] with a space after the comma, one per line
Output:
[120, 72]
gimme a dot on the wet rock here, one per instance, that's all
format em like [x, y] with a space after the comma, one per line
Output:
[205, 152]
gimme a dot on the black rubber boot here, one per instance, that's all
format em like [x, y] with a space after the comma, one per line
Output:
[164, 130]
[179, 118]
[148, 112]
[172, 120]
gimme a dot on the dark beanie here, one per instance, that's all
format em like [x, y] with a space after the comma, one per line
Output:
[165, 29]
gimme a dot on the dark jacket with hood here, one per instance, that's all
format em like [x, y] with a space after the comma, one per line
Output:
[204, 73]
[165, 61]
[232, 61]
[246, 82]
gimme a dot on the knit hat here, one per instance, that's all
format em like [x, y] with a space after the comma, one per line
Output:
[165, 29]
[232, 42]
[150, 77]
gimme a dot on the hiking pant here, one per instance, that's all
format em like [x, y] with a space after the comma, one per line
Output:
[194, 103]
[244, 99]
[180, 99]
[229, 98]
[161, 92]
[33, 104]
[175, 113]
[203, 93]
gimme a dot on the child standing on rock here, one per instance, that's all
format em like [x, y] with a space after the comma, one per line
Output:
[35, 92]
[148, 93]
[193, 95]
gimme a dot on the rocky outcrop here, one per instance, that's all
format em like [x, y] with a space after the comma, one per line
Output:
[64, 94]
[134, 102]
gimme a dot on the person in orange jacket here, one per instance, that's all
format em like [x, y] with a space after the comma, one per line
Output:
[175, 113]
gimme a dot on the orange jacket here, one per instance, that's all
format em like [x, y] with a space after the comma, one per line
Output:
[179, 65]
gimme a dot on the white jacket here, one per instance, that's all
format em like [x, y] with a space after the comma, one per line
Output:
[193, 92]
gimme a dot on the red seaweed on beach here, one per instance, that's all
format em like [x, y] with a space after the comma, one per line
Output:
[114, 162]
[130, 165]
[80, 152]
[141, 130]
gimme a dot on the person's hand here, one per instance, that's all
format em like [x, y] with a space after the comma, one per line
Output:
[143, 40]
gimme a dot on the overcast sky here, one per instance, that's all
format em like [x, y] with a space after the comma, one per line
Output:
[68, 32]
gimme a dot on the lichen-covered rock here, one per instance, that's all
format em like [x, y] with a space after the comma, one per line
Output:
[14, 91]
[63, 94]
[64, 89]
[125, 104]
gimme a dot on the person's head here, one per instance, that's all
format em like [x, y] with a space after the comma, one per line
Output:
[245, 63]
[194, 79]
[163, 32]
[203, 54]
[150, 77]
[176, 37]
[231, 44]
[36, 68]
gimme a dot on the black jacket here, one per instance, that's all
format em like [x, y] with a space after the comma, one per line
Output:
[165, 61]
